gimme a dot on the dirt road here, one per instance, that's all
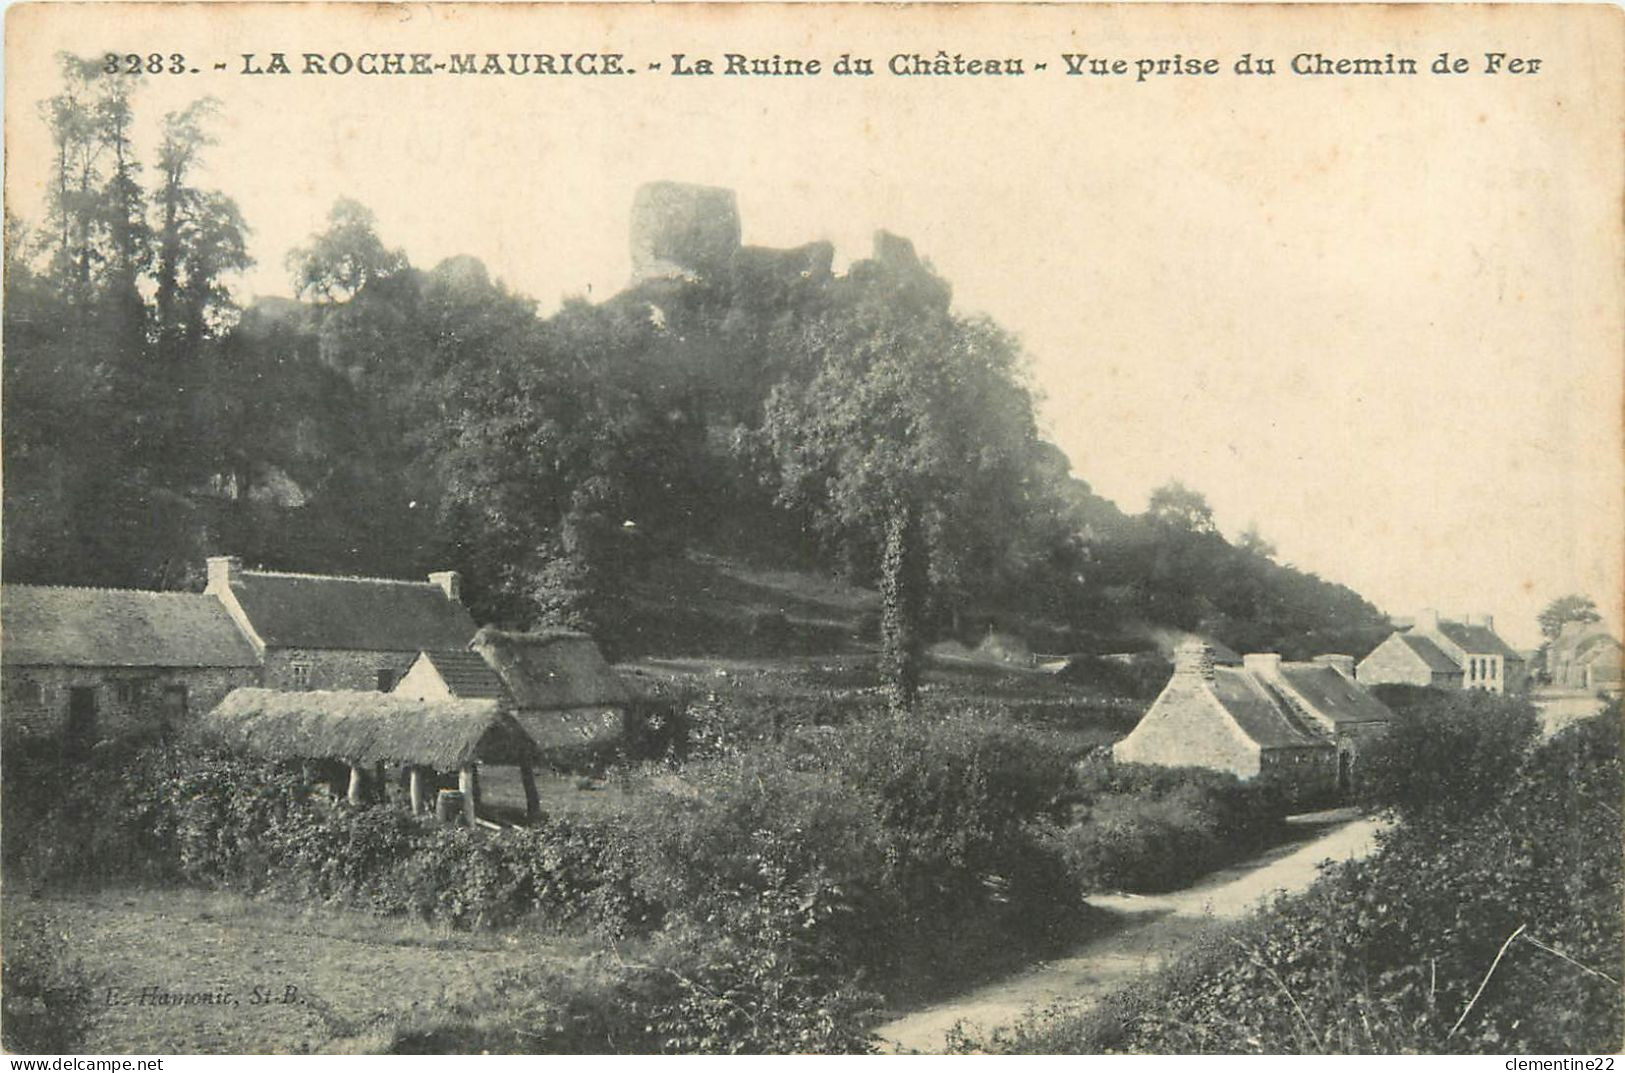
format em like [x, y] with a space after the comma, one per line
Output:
[1141, 933]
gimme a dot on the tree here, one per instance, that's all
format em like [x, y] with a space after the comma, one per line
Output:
[1178, 507]
[905, 427]
[1571, 608]
[343, 259]
[1252, 540]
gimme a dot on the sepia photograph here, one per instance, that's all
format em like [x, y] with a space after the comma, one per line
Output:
[812, 529]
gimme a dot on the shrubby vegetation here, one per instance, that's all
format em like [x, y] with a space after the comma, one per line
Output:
[47, 1002]
[1451, 752]
[773, 891]
[1488, 931]
[1142, 828]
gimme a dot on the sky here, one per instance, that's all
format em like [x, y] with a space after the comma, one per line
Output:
[1379, 318]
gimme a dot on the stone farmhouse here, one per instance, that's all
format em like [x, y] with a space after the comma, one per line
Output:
[84, 664]
[1584, 655]
[87, 664]
[1300, 724]
[320, 632]
[1446, 655]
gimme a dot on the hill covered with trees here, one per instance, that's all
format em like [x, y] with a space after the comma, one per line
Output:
[392, 419]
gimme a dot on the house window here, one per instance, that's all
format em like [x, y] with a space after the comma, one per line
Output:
[299, 675]
[1495, 668]
[28, 693]
[129, 692]
[386, 679]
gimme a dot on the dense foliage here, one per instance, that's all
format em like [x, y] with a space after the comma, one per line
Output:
[48, 1000]
[1447, 751]
[1140, 828]
[1496, 931]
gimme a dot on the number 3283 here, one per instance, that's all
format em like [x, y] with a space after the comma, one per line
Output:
[154, 63]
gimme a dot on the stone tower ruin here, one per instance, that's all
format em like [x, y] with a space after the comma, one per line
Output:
[683, 231]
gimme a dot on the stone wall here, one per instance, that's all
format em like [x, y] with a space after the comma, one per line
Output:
[128, 700]
[1186, 727]
[1393, 663]
[330, 668]
[1309, 774]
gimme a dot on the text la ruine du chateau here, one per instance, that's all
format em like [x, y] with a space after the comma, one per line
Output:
[903, 64]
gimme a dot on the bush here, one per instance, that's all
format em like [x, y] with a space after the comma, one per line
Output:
[759, 847]
[1452, 752]
[46, 995]
[1145, 828]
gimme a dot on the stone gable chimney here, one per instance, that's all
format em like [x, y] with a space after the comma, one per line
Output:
[223, 569]
[450, 582]
[1427, 620]
[1262, 663]
[1193, 659]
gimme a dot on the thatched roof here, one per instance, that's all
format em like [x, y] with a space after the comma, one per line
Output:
[366, 727]
[54, 626]
[552, 670]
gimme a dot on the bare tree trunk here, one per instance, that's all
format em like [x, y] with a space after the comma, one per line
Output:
[902, 594]
[533, 799]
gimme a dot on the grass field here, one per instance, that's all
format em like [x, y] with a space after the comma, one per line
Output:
[353, 977]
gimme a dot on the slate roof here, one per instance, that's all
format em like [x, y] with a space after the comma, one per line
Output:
[1478, 640]
[1430, 653]
[52, 626]
[369, 614]
[1334, 696]
[466, 674]
[1262, 715]
[556, 669]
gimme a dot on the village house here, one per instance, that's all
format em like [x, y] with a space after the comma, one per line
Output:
[1584, 655]
[1446, 655]
[556, 683]
[315, 631]
[89, 664]
[1301, 724]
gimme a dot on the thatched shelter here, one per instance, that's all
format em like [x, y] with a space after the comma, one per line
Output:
[364, 729]
[561, 689]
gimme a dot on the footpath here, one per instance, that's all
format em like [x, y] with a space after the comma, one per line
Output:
[1137, 935]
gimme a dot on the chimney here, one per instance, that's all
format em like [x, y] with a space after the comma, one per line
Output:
[1262, 663]
[1193, 659]
[222, 570]
[450, 582]
[1427, 621]
[1343, 665]
[1485, 620]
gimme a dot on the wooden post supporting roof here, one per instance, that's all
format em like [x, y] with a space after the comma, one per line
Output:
[354, 795]
[533, 800]
[468, 784]
[416, 790]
